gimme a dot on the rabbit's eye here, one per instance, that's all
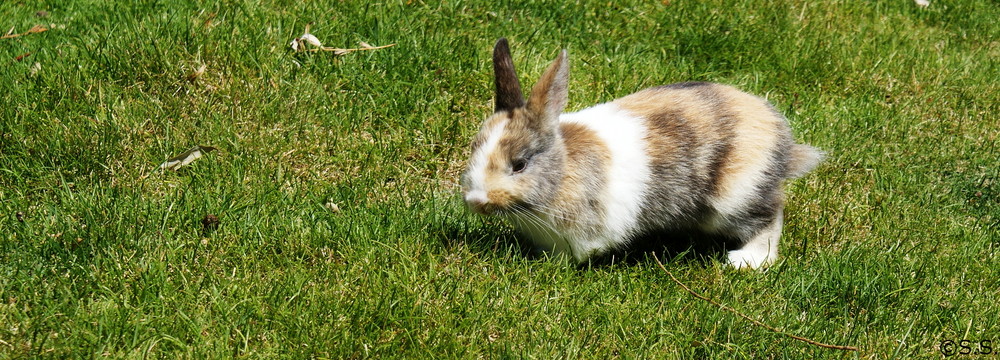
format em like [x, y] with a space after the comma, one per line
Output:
[518, 165]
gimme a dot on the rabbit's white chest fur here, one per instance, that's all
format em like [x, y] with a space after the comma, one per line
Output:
[627, 176]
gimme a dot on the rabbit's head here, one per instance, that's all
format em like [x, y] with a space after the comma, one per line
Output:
[518, 156]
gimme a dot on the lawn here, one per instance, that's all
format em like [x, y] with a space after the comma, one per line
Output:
[340, 230]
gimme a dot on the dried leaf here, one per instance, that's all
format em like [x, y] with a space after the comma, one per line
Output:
[365, 45]
[197, 73]
[299, 43]
[311, 39]
[332, 206]
[186, 157]
[37, 29]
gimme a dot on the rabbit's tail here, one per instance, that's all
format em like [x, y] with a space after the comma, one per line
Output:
[802, 159]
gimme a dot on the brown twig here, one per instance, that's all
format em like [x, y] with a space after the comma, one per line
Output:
[34, 29]
[299, 44]
[337, 51]
[748, 318]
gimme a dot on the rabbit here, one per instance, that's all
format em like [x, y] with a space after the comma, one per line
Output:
[693, 156]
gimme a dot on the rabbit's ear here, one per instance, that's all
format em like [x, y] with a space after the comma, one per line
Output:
[508, 96]
[548, 96]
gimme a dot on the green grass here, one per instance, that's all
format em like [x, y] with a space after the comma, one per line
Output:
[890, 246]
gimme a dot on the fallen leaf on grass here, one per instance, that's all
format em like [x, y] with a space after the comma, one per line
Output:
[332, 206]
[197, 73]
[186, 157]
[299, 43]
[311, 40]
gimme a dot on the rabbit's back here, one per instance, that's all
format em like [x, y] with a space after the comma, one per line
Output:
[718, 157]
[689, 155]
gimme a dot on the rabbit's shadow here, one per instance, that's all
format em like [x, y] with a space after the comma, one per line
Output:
[668, 246]
[497, 240]
[489, 239]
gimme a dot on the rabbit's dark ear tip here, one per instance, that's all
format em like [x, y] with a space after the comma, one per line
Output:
[501, 42]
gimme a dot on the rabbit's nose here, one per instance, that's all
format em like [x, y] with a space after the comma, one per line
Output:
[477, 200]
